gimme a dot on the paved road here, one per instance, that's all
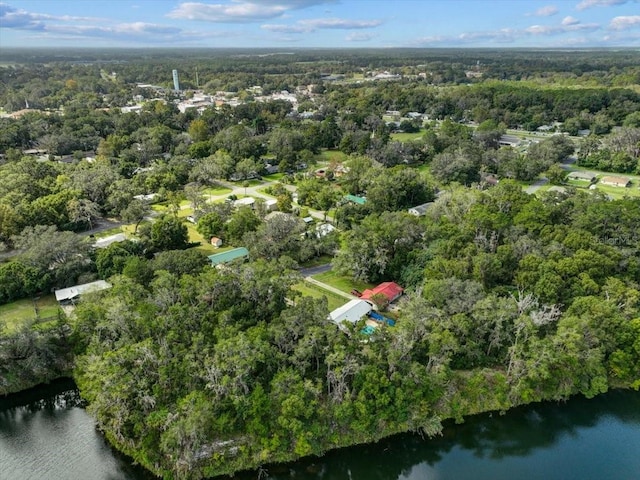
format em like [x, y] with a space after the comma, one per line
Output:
[308, 272]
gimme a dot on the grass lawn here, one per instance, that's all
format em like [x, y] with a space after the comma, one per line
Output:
[217, 191]
[16, 313]
[614, 192]
[309, 290]
[185, 212]
[407, 137]
[342, 282]
[329, 156]
[159, 207]
[194, 236]
[274, 177]
[47, 306]
[108, 233]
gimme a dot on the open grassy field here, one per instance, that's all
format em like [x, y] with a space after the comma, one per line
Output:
[15, 314]
[328, 156]
[334, 301]
[205, 247]
[407, 137]
[342, 282]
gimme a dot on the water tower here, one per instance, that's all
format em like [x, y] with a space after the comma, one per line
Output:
[176, 84]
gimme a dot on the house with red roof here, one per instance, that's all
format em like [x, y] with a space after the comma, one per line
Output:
[391, 291]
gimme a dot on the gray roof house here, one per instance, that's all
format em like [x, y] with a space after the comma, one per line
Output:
[420, 210]
[71, 293]
[584, 176]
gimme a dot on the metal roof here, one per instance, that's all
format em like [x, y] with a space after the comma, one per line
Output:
[228, 256]
[77, 290]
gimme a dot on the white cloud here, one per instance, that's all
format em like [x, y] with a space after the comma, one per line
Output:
[359, 37]
[510, 35]
[546, 11]
[584, 4]
[240, 11]
[560, 29]
[624, 22]
[570, 21]
[280, 28]
[11, 17]
[339, 23]
[311, 25]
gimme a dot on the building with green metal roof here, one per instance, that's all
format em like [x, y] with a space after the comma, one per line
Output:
[228, 256]
[355, 199]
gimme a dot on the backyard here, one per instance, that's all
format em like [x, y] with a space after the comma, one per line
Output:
[15, 314]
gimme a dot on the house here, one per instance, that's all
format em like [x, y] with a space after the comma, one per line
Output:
[420, 210]
[324, 229]
[244, 202]
[69, 295]
[582, 176]
[150, 197]
[228, 256]
[616, 181]
[216, 242]
[106, 241]
[351, 311]
[509, 141]
[389, 290]
[355, 199]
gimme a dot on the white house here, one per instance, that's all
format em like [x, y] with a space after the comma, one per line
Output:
[71, 293]
[351, 311]
[244, 202]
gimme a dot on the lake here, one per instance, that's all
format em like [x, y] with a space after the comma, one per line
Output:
[46, 434]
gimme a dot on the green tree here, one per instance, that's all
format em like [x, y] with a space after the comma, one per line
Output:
[169, 233]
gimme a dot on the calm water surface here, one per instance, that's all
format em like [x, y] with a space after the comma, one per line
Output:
[46, 434]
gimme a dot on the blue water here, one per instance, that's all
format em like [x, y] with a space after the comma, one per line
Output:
[46, 434]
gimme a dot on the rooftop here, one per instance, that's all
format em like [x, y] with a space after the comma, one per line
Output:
[77, 290]
[228, 256]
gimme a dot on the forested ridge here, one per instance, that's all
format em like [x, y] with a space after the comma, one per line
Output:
[193, 371]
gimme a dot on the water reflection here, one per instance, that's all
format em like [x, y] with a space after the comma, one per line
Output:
[588, 439]
[46, 434]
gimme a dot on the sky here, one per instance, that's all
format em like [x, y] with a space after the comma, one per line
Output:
[320, 23]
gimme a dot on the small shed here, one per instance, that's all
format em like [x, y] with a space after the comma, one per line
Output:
[351, 311]
[271, 204]
[228, 256]
[216, 242]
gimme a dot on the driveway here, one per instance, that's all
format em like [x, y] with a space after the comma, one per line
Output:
[531, 189]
